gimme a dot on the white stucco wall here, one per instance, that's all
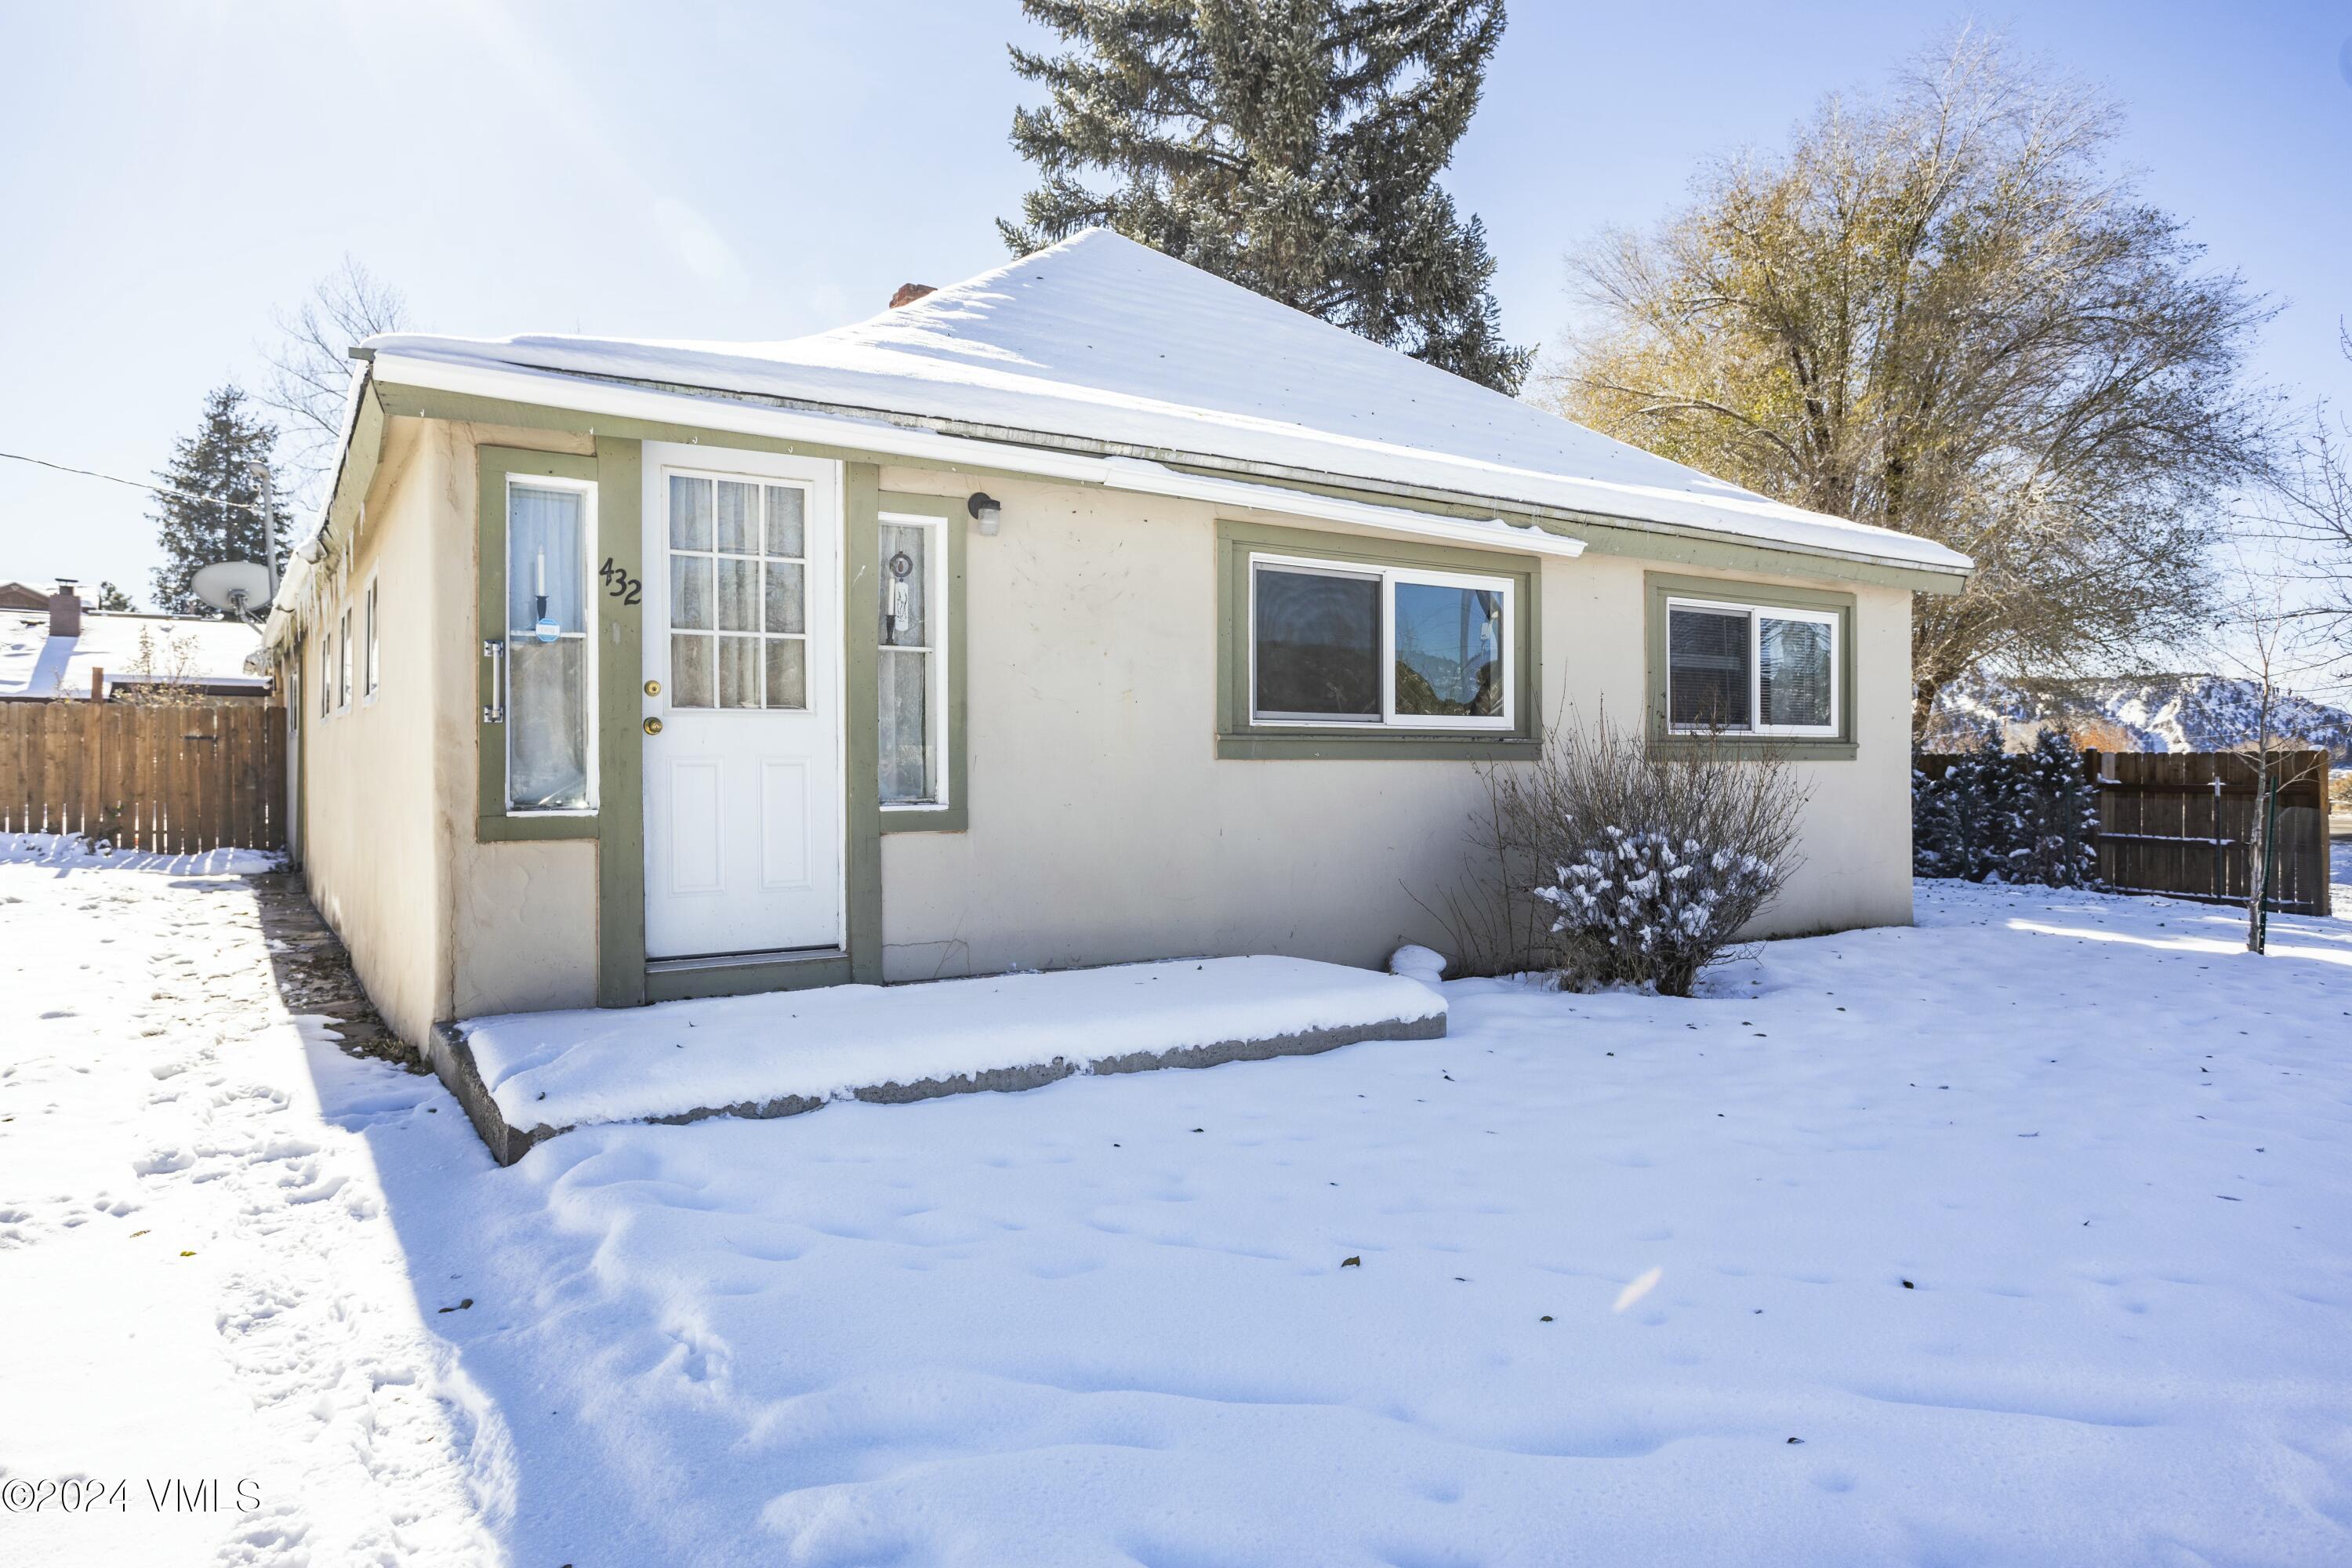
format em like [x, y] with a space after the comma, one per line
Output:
[438, 925]
[368, 818]
[1104, 828]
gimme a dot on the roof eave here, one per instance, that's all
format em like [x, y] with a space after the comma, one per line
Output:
[1053, 455]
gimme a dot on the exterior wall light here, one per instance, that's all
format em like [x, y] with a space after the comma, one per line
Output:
[985, 511]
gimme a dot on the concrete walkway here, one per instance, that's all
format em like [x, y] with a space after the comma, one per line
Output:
[527, 1077]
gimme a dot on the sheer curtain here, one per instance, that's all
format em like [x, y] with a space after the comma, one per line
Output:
[547, 680]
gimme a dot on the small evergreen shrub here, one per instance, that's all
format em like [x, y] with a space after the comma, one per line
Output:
[1995, 815]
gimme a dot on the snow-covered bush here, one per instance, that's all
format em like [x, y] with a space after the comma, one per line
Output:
[2020, 816]
[1645, 907]
[1610, 861]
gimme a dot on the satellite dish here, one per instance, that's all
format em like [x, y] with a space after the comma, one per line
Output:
[238, 586]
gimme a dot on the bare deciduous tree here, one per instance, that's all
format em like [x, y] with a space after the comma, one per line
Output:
[309, 368]
[2268, 626]
[2313, 517]
[1940, 311]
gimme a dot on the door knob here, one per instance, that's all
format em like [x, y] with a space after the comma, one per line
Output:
[653, 726]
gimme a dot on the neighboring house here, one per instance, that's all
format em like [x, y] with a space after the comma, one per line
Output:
[1092, 609]
[23, 596]
[65, 649]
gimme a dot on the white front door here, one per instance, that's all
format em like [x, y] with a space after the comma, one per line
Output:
[743, 782]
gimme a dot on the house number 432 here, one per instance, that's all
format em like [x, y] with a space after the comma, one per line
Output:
[619, 583]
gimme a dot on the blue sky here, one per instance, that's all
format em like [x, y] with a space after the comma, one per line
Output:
[177, 169]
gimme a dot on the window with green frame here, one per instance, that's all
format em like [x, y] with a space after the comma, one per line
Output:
[1341, 646]
[1750, 663]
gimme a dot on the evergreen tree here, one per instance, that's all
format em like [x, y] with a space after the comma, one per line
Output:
[2027, 816]
[220, 464]
[1292, 146]
[114, 600]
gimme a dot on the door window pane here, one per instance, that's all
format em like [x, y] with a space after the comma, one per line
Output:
[544, 549]
[787, 522]
[547, 648]
[1706, 662]
[787, 596]
[787, 672]
[739, 594]
[905, 589]
[1449, 650]
[1318, 644]
[739, 672]
[547, 724]
[904, 692]
[689, 592]
[690, 513]
[739, 518]
[692, 682]
[1793, 671]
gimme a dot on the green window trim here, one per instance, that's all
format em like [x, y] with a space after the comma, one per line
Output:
[1659, 587]
[493, 822]
[1240, 738]
[955, 816]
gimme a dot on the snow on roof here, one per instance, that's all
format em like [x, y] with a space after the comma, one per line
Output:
[1101, 339]
[207, 652]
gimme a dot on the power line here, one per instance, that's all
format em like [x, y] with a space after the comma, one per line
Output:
[137, 484]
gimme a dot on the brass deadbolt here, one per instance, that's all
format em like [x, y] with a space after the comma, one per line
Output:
[653, 726]
[653, 689]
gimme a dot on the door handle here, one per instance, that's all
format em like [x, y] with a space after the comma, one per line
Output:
[653, 726]
[494, 711]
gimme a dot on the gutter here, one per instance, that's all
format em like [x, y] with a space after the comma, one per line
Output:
[303, 556]
[1137, 475]
[1048, 456]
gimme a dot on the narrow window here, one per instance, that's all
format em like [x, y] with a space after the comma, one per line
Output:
[1708, 665]
[368, 664]
[1751, 670]
[1316, 641]
[1794, 672]
[326, 672]
[738, 594]
[913, 666]
[343, 661]
[547, 647]
[1449, 651]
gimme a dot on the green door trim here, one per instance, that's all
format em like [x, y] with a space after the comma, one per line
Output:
[617, 828]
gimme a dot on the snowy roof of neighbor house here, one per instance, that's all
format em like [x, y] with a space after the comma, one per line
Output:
[1101, 343]
[204, 653]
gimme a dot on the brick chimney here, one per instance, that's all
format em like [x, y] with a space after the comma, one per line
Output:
[65, 610]
[910, 292]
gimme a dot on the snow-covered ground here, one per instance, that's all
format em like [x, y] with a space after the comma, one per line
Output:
[198, 1281]
[2032, 1226]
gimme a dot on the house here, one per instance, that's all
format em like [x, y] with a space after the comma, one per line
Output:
[1091, 609]
[67, 649]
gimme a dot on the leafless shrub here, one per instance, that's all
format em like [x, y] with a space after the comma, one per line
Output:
[1609, 860]
[164, 674]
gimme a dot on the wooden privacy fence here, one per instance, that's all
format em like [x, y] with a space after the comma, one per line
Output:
[2179, 823]
[173, 780]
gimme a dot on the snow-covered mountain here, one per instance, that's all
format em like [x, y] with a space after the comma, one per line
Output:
[2137, 712]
